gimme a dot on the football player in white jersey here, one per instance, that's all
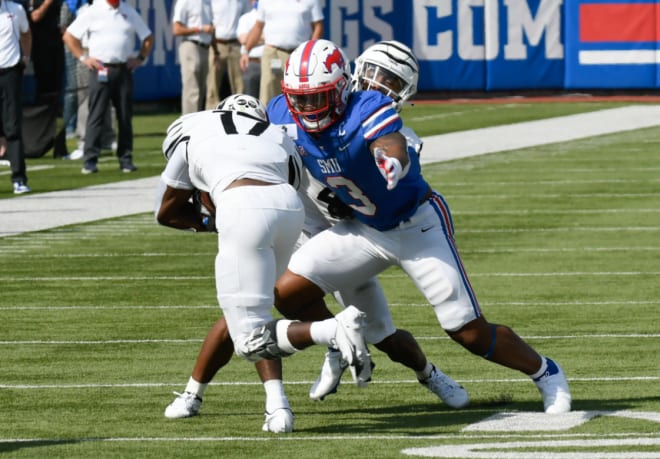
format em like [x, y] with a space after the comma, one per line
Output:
[351, 143]
[248, 167]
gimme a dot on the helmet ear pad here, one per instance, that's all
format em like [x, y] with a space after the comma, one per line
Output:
[316, 84]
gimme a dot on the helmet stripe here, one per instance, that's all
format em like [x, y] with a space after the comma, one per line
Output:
[304, 61]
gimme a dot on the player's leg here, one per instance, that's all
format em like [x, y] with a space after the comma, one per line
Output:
[215, 353]
[255, 240]
[399, 345]
[440, 276]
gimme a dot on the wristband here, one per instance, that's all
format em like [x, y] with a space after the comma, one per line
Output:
[141, 57]
[82, 58]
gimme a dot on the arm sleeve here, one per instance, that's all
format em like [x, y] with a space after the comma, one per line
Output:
[176, 174]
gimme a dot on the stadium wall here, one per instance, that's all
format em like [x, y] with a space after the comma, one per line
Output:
[472, 45]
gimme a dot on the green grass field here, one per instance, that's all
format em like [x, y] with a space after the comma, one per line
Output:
[100, 322]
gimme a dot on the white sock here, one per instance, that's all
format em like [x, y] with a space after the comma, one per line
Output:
[275, 396]
[283, 342]
[195, 387]
[544, 366]
[324, 332]
[426, 372]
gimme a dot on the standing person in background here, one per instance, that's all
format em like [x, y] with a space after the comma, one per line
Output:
[108, 138]
[70, 109]
[227, 54]
[284, 25]
[47, 49]
[15, 49]
[112, 26]
[193, 20]
[250, 62]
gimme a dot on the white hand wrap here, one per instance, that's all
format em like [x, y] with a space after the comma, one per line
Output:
[390, 168]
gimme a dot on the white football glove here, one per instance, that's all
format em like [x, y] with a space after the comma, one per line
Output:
[389, 167]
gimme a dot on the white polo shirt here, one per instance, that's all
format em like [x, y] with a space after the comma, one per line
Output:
[111, 31]
[287, 23]
[13, 22]
[194, 13]
[225, 17]
[245, 24]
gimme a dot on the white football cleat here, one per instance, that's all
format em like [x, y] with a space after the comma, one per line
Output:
[448, 390]
[184, 406]
[331, 371]
[279, 421]
[349, 339]
[554, 389]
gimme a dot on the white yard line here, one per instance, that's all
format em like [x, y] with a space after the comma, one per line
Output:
[40, 211]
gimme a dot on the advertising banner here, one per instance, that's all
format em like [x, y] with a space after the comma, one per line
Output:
[471, 45]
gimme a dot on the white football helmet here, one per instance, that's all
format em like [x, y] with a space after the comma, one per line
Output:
[389, 67]
[316, 84]
[243, 103]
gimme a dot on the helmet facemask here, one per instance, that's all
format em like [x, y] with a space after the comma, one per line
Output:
[380, 79]
[318, 108]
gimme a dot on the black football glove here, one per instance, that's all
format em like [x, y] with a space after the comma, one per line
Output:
[336, 207]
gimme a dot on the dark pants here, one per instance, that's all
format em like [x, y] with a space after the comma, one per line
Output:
[11, 120]
[252, 78]
[48, 62]
[118, 90]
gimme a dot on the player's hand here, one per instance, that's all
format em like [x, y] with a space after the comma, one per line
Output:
[208, 222]
[390, 167]
[336, 207]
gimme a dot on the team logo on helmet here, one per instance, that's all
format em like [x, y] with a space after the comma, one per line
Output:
[335, 58]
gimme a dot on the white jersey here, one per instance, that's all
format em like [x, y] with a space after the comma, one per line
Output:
[219, 147]
[257, 225]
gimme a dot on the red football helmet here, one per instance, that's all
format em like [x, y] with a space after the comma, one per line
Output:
[316, 84]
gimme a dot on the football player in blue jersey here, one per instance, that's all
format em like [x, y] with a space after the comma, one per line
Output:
[351, 143]
[391, 68]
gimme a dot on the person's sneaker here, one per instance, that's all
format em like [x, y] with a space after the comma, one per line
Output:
[86, 170]
[554, 389]
[448, 390]
[331, 371]
[20, 188]
[279, 421]
[184, 406]
[349, 339]
[74, 155]
[127, 168]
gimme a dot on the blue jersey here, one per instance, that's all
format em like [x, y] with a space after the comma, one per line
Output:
[340, 158]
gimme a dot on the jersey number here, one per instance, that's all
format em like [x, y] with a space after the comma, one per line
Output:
[227, 120]
[366, 207]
